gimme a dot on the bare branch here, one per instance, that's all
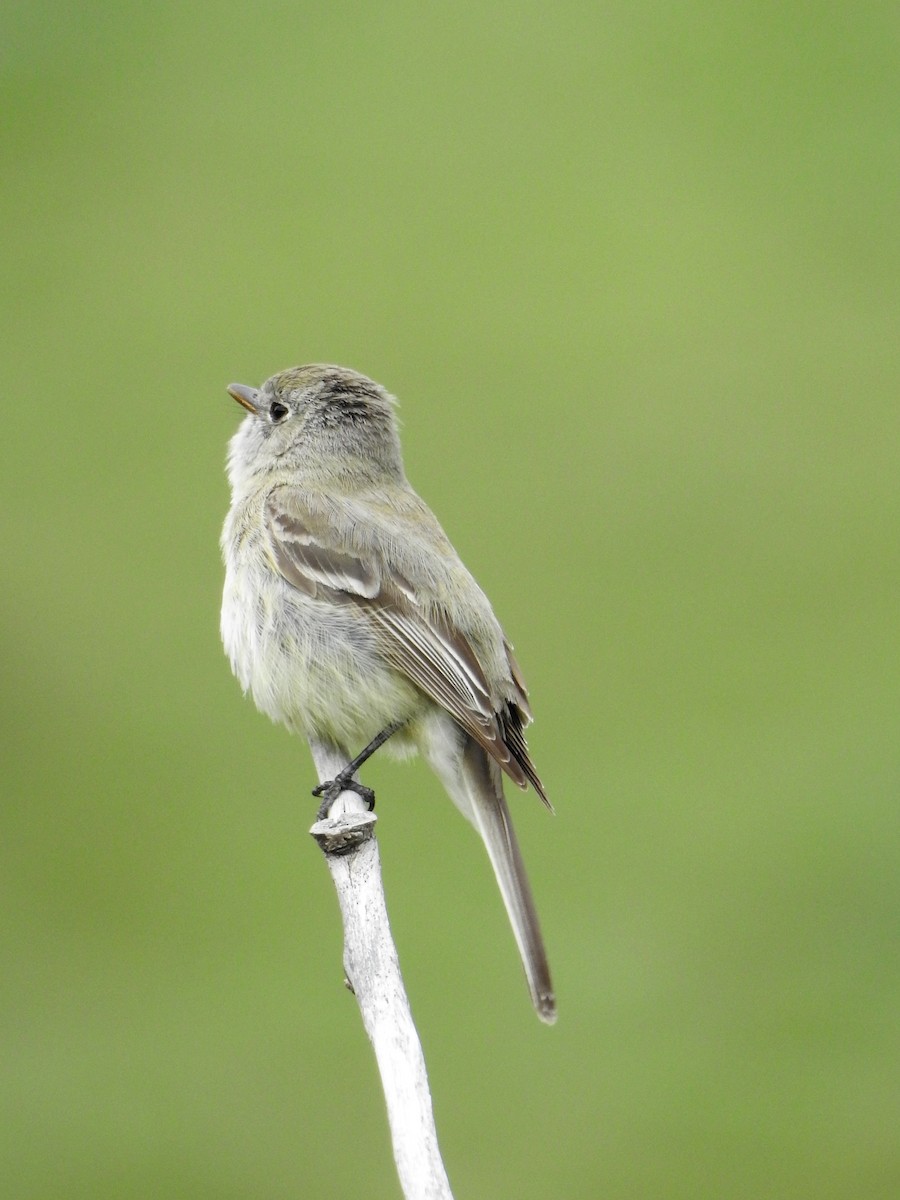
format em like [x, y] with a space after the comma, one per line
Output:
[347, 839]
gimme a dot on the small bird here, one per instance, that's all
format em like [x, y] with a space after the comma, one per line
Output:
[350, 618]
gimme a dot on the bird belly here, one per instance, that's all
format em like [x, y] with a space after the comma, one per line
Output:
[312, 665]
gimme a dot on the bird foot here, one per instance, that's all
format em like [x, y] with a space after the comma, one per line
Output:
[332, 788]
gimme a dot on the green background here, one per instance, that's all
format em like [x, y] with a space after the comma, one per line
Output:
[633, 271]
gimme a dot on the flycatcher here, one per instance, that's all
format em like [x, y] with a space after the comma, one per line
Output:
[350, 618]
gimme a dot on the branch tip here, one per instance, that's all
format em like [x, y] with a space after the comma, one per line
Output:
[341, 835]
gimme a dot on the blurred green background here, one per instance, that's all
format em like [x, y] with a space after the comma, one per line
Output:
[634, 272]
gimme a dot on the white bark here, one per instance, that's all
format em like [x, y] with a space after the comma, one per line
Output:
[347, 838]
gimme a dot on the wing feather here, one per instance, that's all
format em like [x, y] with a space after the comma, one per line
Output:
[415, 638]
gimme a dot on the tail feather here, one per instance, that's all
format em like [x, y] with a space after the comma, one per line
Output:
[489, 813]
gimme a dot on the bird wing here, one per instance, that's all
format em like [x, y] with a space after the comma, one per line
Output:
[417, 638]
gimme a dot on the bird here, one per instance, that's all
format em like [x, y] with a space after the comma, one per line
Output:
[350, 618]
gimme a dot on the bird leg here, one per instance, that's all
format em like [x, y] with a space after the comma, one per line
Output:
[344, 781]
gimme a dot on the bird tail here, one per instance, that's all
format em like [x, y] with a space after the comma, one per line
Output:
[485, 806]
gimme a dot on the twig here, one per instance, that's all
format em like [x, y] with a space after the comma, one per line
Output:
[347, 839]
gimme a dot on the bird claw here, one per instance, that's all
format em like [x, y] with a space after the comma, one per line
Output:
[332, 788]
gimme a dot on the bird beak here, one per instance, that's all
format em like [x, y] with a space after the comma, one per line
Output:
[244, 395]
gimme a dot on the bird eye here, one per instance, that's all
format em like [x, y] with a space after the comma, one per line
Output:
[277, 411]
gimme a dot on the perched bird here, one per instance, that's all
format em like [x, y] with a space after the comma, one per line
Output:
[350, 618]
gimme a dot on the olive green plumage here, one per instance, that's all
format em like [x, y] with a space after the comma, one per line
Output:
[346, 610]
